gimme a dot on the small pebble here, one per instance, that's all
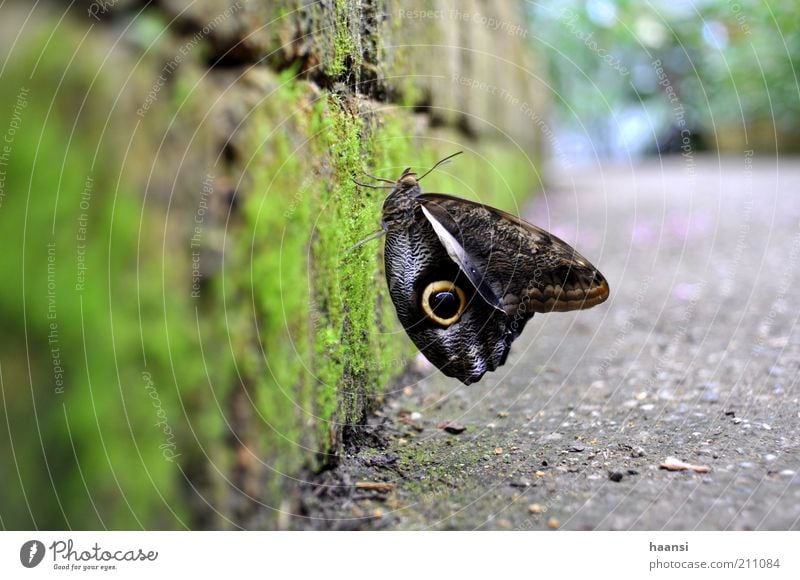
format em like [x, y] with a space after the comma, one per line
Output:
[503, 414]
[452, 427]
[416, 416]
[402, 442]
[674, 464]
[536, 508]
[553, 523]
[380, 486]
[498, 450]
[615, 476]
[638, 452]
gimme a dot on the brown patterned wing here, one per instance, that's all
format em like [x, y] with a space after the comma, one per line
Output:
[465, 346]
[513, 264]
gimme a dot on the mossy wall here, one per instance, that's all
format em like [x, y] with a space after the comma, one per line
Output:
[184, 331]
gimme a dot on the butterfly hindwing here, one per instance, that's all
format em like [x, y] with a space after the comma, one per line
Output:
[478, 341]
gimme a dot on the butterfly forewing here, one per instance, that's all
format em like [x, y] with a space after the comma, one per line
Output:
[518, 261]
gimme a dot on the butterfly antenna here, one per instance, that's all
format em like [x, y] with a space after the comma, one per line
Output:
[438, 163]
[376, 178]
[369, 185]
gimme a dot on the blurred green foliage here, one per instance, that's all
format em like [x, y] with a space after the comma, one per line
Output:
[84, 318]
[732, 64]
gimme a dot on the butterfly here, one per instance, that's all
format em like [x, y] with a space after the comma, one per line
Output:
[466, 277]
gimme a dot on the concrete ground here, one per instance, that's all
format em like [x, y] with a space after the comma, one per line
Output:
[695, 356]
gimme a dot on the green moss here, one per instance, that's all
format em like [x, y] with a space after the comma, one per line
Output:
[268, 294]
[335, 33]
[345, 46]
[319, 310]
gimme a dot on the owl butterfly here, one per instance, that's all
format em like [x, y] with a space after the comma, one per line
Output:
[465, 278]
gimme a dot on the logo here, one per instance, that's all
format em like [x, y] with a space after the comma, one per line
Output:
[31, 553]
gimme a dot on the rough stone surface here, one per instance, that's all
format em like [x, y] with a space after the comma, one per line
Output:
[467, 64]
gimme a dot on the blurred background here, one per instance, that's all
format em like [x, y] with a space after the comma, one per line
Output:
[627, 74]
[185, 341]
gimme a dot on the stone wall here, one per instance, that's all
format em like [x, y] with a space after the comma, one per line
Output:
[189, 334]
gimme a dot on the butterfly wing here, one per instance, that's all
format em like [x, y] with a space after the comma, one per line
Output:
[466, 348]
[524, 267]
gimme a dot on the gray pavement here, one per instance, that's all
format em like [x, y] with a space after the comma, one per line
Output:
[695, 356]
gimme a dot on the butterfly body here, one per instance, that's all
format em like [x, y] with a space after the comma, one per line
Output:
[465, 278]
